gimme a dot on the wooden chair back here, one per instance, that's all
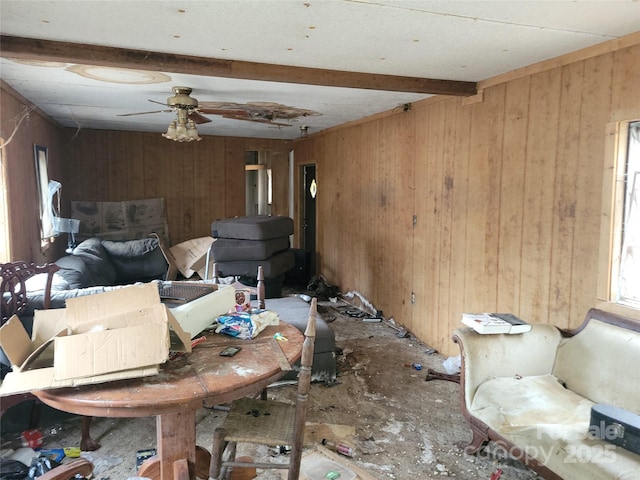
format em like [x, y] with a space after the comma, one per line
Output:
[304, 385]
[13, 301]
[13, 290]
[268, 430]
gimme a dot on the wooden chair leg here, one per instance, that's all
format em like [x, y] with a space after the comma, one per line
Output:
[203, 462]
[478, 440]
[216, 453]
[181, 469]
[225, 471]
[87, 444]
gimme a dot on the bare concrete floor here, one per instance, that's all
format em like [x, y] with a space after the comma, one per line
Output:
[405, 428]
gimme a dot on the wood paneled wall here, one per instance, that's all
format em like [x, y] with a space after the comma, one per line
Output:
[200, 182]
[19, 177]
[506, 194]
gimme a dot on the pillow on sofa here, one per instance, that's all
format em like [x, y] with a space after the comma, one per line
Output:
[74, 271]
[136, 260]
[97, 261]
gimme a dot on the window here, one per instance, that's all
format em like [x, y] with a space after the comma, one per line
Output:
[45, 196]
[621, 233]
[4, 223]
[629, 270]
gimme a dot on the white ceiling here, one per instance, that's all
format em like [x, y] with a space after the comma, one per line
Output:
[449, 40]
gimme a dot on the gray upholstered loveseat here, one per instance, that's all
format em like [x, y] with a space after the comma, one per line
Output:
[295, 311]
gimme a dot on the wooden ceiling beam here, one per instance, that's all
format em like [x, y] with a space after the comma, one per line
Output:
[47, 50]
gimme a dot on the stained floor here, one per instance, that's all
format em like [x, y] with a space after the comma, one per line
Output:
[404, 428]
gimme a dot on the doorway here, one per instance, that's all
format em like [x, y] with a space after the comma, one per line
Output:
[310, 189]
[258, 193]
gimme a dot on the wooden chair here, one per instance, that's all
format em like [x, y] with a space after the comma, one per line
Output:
[13, 277]
[13, 301]
[267, 422]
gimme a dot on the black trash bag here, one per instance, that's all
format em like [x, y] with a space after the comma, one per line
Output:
[41, 465]
[322, 289]
[13, 470]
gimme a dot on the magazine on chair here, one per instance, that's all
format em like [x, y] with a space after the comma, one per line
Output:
[495, 323]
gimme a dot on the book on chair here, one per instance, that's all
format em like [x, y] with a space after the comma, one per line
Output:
[487, 323]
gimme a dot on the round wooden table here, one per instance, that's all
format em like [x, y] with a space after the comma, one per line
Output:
[182, 386]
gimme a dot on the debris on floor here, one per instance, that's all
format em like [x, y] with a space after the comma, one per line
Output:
[323, 290]
[400, 427]
[320, 462]
[359, 301]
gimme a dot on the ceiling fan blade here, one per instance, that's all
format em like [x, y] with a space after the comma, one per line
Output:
[199, 119]
[223, 111]
[257, 120]
[141, 113]
[159, 103]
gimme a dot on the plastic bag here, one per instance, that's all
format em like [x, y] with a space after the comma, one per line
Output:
[41, 465]
[13, 470]
[101, 462]
[246, 325]
[452, 365]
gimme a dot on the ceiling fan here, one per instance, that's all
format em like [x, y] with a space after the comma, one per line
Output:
[260, 112]
[182, 102]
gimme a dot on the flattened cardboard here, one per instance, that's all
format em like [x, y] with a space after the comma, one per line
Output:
[106, 351]
[197, 315]
[122, 333]
[82, 310]
[49, 324]
[22, 352]
[15, 342]
[190, 256]
[42, 379]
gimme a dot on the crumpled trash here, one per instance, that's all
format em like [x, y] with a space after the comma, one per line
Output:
[452, 365]
[101, 462]
[41, 465]
[13, 470]
[322, 289]
[246, 325]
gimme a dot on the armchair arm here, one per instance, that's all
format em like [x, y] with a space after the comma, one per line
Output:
[504, 355]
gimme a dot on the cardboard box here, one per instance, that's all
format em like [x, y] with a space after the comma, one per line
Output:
[118, 334]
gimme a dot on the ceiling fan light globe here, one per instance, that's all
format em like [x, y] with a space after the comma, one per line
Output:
[171, 132]
[192, 131]
[181, 132]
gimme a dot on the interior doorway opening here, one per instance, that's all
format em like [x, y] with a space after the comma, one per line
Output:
[309, 193]
[259, 184]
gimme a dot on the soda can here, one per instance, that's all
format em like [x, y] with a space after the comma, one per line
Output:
[32, 438]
